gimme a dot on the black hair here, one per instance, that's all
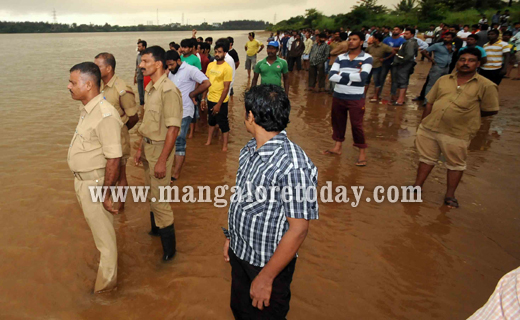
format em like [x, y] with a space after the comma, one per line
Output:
[108, 58]
[172, 43]
[400, 28]
[343, 36]
[518, 22]
[475, 26]
[252, 34]
[270, 106]
[231, 40]
[432, 25]
[194, 42]
[507, 33]
[452, 34]
[360, 34]
[205, 46]
[143, 43]
[222, 43]
[493, 31]
[466, 25]
[186, 43]
[474, 36]
[172, 55]
[176, 46]
[484, 27]
[322, 35]
[412, 30]
[90, 69]
[379, 36]
[210, 39]
[200, 39]
[473, 51]
[157, 54]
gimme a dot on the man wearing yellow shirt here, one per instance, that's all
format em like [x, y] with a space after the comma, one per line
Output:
[252, 47]
[220, 76]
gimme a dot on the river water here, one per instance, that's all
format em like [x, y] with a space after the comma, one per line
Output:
[374, 261]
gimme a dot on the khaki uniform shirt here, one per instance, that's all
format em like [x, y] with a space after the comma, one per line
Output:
[378, 51]
[121, 96]
[456, 110]
[162, 109]
[97, 136]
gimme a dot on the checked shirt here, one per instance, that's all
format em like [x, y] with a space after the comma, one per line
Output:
[258, 220]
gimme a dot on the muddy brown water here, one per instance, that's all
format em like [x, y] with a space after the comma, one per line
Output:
[375, 261]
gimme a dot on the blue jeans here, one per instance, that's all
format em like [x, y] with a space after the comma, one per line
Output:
[180, 143]
[384, 72]
[435, 73]
[376, 74]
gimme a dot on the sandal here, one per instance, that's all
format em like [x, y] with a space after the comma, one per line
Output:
[331, 153]
[361, 163]
[451, 202]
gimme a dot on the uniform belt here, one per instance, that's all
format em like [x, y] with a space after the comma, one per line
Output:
[150, 141]
[91, 175]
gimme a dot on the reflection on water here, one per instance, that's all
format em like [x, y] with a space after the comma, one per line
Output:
[375, 261]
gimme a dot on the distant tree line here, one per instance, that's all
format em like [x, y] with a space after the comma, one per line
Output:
[46, 27]
[406, 12]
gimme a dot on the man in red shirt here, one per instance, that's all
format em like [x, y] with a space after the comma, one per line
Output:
[203, 51]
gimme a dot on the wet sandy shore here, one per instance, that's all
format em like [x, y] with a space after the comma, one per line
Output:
[375, 261]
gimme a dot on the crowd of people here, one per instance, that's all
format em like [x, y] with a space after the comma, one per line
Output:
[196, 76]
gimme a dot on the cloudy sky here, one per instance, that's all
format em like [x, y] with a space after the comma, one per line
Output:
[133, 12]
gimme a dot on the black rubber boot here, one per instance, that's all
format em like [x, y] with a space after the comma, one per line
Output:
[168, 242]
[155, 229]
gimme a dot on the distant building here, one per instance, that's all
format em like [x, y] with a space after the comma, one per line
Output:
[216, 24]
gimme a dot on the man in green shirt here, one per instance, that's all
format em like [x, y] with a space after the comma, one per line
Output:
[272, 68]
[187, 53]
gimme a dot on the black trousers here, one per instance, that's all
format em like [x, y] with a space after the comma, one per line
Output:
[221, 118]
[493, 75]
[242, 275]
[292, 60]
[317, 73]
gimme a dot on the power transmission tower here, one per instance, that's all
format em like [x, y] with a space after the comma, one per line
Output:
[54, 18]
[183, 18]
[157, 16]
[274, 19]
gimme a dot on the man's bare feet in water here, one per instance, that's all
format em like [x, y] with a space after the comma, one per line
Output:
[334, 151]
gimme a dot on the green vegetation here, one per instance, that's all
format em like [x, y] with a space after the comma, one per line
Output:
[419, 13]
[45, 27]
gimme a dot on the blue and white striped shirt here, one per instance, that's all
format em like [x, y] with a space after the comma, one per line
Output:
[257, 224]
[350, 76]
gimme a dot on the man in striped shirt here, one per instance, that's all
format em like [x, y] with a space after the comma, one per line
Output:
[498, 53]
[270, 210]
[350, 71]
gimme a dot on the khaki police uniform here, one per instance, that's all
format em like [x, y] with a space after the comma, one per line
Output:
[96, 139]
[162, 109]
[122, 97]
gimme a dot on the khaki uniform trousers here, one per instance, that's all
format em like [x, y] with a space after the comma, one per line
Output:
[163, 212]
[100, 222]
[125, 144]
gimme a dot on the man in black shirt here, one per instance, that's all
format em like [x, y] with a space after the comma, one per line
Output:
[234, 54]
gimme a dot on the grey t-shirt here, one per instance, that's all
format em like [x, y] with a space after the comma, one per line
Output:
[482, 38]
[137, 69]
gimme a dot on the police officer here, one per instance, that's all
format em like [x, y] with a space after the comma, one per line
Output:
[94, 157]
[122, 97]
[159, 130]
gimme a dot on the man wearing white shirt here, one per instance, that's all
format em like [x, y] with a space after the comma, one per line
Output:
[186, 77]
[463, 34]
[229, 59]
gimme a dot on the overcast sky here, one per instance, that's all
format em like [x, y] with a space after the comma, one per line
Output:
[133, 12]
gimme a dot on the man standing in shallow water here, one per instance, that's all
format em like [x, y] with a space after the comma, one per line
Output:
[122, 97]
[94, 157]
[161, 124]
[264, 236]
[452, 118]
